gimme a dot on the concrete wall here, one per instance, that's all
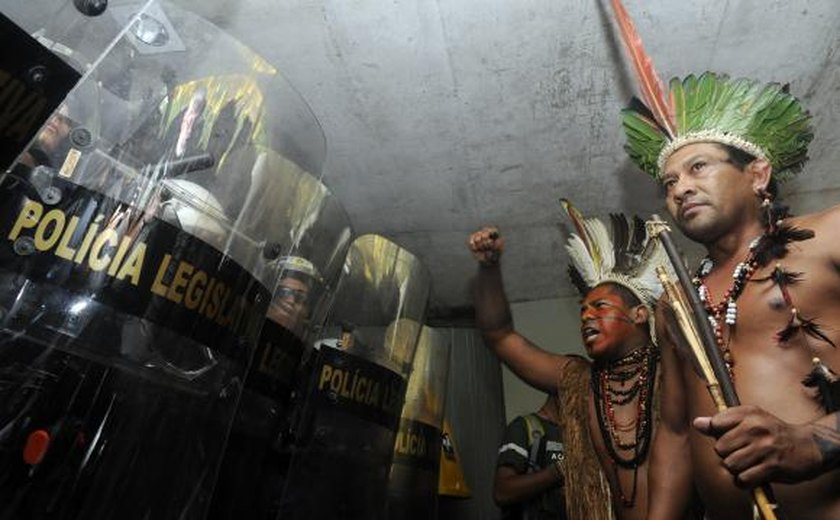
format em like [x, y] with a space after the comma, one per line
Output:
[554, 326]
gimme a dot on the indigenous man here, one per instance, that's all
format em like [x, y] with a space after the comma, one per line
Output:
[771, 284]
[607, 405]
[771, 288]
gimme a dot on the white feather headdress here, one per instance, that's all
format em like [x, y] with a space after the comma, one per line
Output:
[627, 258]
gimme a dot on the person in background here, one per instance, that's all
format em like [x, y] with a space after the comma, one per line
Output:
[290, 305]
[528, 483]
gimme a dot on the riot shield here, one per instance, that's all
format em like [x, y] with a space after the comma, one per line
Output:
[138, 235]
[306, 267]
[347, 423]
[413, 480]
[33, 81]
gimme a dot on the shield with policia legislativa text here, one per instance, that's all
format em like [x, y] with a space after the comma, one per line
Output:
[304, 257]
[413, 479]
[135, 271]
[33, 81]
[350, 412]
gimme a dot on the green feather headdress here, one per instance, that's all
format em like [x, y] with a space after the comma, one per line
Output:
[763, 120]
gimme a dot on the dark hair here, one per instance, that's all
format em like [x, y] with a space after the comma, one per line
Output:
[740, 159]
[737, 157]
[627, 296]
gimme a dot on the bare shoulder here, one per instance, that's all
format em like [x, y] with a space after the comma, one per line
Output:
[821, 222]
[824, 224]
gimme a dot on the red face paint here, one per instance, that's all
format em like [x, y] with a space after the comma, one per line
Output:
[605, 323]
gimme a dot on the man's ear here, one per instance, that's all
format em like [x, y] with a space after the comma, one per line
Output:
[760, 170]
[640, 314]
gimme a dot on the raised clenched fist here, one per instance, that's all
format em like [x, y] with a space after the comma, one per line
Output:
[486, 245]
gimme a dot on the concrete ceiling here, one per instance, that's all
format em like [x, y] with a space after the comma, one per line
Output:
[443, 116]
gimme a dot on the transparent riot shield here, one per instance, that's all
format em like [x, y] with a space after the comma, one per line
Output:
[136, 266]
[349, 418]
[33, 81]
[413, 480]
[305, 267]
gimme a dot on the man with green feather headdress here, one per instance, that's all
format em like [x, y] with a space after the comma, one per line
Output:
[771, 288]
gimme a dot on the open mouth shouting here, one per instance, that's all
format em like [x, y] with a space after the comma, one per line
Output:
[589, 333]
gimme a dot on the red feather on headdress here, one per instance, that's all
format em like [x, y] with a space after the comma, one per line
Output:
[653, 92]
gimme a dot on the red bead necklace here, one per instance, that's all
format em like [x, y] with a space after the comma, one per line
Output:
[725, 312]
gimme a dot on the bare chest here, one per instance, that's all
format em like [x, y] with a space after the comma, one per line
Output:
[786, 315]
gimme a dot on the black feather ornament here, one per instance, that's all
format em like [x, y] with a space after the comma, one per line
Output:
[781, 277]
[577, 280]
[827, 385]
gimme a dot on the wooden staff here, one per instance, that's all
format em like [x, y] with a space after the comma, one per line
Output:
[692, 318]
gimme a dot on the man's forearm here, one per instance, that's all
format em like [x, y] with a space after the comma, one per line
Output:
[493, 319]
[492, 310]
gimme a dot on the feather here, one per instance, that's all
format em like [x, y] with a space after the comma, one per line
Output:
[580, 226]
[651, 86]
[621, 241]
[827, 385]
[774, 245]
[579, 255]
[808, 326]
[629, 242]
[594, 238]
[578, 281]
[652, 256]
[766, 116]
[784, 335]
[811, 328]
[781, 277]
[629, 258]
[640, 236]
[694, 99]
[600, 239]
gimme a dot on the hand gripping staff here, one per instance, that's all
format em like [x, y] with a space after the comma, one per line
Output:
[692, 319]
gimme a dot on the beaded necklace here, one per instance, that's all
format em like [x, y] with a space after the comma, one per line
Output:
[639, 367]
[772, 245]
[726, 311]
